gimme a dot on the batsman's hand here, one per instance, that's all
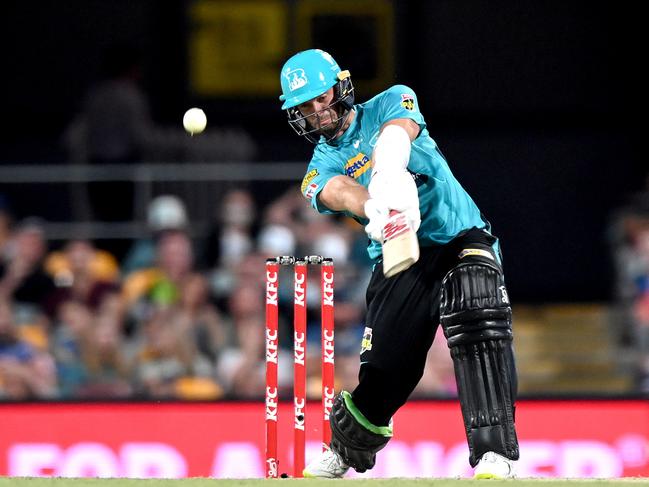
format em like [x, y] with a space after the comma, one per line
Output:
[378, 214]
[394, 190]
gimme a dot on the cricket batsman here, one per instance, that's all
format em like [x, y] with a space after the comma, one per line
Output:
[436, 262]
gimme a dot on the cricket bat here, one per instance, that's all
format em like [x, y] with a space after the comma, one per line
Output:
[400, 245]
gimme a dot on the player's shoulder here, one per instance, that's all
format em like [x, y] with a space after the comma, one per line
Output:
[391, 92]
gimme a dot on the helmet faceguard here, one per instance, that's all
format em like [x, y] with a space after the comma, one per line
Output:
[342, 104]
[307, 75]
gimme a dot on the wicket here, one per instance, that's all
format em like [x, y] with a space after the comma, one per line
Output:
[300, 265]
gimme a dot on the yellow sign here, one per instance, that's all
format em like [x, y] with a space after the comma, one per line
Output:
[236, 47]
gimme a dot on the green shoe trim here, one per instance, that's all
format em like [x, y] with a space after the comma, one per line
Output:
[363, 421]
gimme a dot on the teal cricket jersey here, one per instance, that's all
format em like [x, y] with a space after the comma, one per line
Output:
[446, 208]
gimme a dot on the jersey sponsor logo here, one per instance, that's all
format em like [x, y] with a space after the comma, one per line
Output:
[366, 343]
[307, 180]
[296, 78]
[407, 101]
[480, 252]
[357, 165]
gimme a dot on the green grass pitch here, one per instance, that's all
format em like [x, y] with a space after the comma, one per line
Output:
[200, 482]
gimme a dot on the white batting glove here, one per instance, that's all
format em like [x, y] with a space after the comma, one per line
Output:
[378, 215]
[397, 190]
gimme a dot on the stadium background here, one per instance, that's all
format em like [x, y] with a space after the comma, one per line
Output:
[535, 105]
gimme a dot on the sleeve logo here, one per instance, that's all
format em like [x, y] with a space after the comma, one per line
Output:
[407, 101]
[307, 180]
[310, 190]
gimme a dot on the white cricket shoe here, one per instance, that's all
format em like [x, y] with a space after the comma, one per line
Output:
[328, 465]
[494, 466]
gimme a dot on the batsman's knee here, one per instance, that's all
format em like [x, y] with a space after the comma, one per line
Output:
[353, 437]
[475, 305]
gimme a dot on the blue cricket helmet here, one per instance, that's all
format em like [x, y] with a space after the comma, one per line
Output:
[309, 74]
[306, 75]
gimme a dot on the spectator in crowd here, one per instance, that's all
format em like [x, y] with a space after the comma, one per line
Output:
[241, 365]
[25, 371]
[439, 376]
[90, 354]
[23, 279]
[169, 366]
[165, 213]
[81, 272]
[231, 234]
[69, 346]
[109, 374]
[114, 126]
[198, 320]
[632, 261]
[161, 284]
[230, 241]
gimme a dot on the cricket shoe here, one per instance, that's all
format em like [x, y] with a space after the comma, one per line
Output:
[328, 465]
[494, 466]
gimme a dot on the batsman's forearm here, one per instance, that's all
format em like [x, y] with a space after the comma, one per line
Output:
[344, 193]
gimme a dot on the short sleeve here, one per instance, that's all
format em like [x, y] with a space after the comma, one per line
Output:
[313, 182]
[400, 101]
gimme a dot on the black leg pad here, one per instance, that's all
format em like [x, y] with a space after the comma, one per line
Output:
[476, 319]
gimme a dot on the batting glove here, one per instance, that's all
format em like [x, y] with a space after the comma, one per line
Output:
[397, 190]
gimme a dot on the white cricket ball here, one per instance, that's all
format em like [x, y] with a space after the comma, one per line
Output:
[194, 121]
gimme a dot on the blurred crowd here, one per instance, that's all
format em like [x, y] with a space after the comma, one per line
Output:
[630, 239]
[178, 317]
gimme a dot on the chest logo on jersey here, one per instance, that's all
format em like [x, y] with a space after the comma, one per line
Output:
[357, 165]
[408, 101]
[307, 180]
